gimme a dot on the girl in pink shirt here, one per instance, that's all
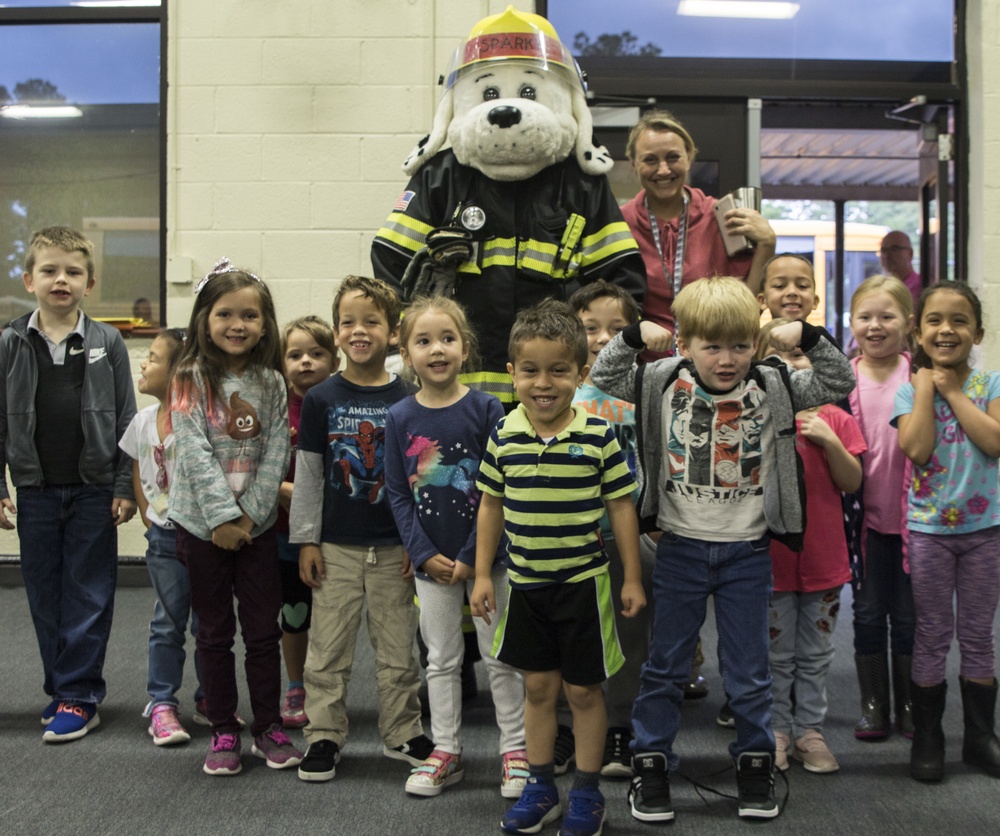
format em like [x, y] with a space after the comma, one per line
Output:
[881, 321]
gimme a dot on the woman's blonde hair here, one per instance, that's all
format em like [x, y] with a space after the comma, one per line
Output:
[659, 120]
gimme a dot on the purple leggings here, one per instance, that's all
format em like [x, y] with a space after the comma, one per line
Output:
[944, 567]
[252, 576]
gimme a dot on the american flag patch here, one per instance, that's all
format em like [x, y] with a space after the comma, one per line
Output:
[404, 201]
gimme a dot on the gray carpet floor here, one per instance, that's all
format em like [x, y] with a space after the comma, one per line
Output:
[115, 781]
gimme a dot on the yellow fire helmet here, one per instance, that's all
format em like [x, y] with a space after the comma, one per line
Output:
[515, 36]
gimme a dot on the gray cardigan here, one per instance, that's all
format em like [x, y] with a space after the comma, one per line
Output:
[107, 403]
[788, 391]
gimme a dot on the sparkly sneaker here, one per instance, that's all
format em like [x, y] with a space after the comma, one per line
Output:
[586, 813]
[812, 750]
[440, 770]
[515, 773]
[274, 746]
[164, 726]
[617, 761]
[293, 714]
[415, 751]
[72, 720]
[223, 756]
[537, 806]
[565, 749]
[781, 743]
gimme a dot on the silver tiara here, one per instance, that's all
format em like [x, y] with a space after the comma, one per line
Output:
[223, 265]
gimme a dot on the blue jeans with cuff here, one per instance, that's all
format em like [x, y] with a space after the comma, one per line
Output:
[738, 576]
[171, 614]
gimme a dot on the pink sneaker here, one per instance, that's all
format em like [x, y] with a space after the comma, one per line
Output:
[164, 726]
[294, 713]
[515, 773]
[223, 755]
[276, 748]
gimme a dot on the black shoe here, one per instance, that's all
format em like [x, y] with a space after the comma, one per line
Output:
[927, 749]
[725, 718]
[649, 793]
[617, 762]
[755, 781]
[565, 749]
[696, 688]
[320, 762]
[415, 751]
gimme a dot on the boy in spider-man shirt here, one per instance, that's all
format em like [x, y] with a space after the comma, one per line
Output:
[351, 552]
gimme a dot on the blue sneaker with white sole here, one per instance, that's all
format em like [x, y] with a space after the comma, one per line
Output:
[537, 806]
[71, 722]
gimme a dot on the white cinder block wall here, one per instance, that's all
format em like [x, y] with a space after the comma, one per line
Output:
[287, 126]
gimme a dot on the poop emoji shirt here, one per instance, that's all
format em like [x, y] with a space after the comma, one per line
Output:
[234, 459]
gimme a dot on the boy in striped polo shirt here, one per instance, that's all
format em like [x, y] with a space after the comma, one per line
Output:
[549, 471]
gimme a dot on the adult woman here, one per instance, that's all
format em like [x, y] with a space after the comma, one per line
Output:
[674, 223]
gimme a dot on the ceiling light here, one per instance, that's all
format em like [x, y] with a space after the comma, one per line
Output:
[738, 8]
[103, 4]
[23, 111]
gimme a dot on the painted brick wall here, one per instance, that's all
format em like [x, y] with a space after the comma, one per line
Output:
[287, 126]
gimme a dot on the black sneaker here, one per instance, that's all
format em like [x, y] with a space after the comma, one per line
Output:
[320, 761]
[755, 781]
[564, 752]
[415, 751]
[649, 793]
[725, 718]
[617, 762]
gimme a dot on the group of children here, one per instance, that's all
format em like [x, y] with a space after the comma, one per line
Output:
[530, 516]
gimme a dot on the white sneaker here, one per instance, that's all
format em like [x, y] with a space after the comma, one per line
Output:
[812, 750]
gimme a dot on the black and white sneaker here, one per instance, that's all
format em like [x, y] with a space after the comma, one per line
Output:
[755, 781]
[725, 718]
[564, 752]
[649, 793]
[415, 751]
[320, 761]
[617, 762]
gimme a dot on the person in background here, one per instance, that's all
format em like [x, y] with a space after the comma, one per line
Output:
[149, 440]
[309, 356]
[896, 256]
[807, 581]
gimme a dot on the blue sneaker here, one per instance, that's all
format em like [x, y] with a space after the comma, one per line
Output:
[537, 806]
[72, 720]
[49, 712]
[586, 813]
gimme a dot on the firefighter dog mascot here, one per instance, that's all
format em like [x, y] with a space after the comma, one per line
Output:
[508, 202]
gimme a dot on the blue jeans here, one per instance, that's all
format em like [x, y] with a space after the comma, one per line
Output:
[69, 561]
[802, 625]
[687, 571]
[170, 619]
[883, 597]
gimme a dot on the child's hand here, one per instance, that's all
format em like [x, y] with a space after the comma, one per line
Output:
[312, 570]
[462, 572]
[786, 337]
[482, 601]
[285, 495]
[439, 567]
[7, 505]
[230, 536]
[946, 382]
[923, 380]
[655, 337]
[122, 510]
[407, 572]
[633, 598]
[817, 430]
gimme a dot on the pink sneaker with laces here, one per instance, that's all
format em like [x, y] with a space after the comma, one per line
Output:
[165, 727]
[276, 748]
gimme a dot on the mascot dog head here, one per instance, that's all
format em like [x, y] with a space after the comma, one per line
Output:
[514, 103]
